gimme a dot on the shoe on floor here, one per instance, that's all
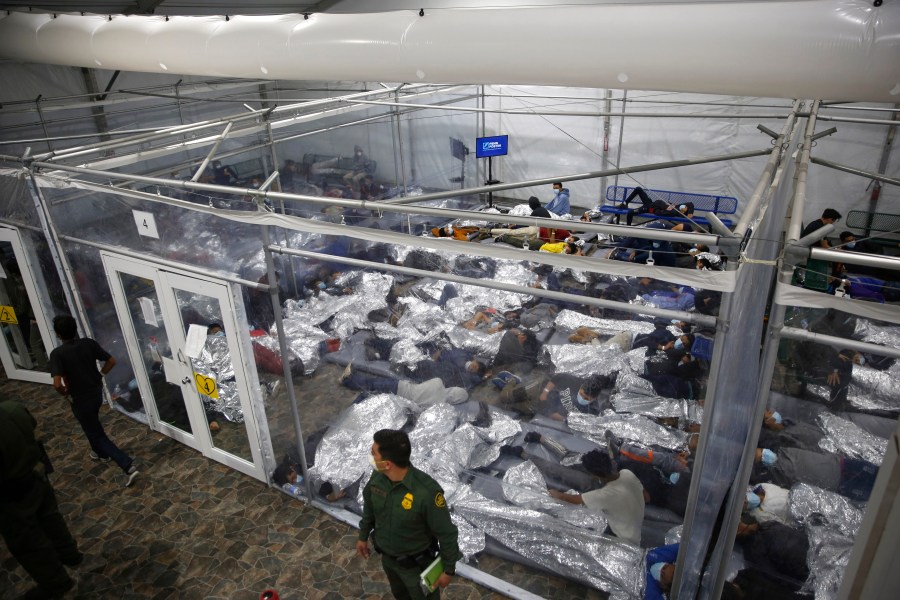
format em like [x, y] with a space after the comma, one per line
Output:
[132, 475]
[43, 593]
[507, 376]
[95, 456]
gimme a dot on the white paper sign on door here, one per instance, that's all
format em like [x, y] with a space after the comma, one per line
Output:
[148, 311]
[196, 340]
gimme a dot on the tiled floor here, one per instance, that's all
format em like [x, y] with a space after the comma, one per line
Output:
[191, 528]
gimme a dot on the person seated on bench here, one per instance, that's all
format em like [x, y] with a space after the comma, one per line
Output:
[536, 209]
[655, 207]
[829, 217]
[362, 167]
[849, 243]
[560, 204]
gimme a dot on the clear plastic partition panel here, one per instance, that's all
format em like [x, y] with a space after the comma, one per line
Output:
[831, 410]
[170, 232]
[516, 391]
[95, 296]
[22, 337]
[220, 391]
[153, 344]
[16, 201]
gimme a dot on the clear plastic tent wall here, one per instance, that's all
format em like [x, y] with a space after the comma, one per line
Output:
[393, 312]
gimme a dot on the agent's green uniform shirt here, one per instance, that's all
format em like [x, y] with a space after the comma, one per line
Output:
[406, 516]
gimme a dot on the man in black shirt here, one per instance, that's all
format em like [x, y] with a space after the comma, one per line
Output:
[73, 366]
[829, 217]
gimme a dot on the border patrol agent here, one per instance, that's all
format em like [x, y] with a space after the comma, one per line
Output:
[30, 522]
[406, 509]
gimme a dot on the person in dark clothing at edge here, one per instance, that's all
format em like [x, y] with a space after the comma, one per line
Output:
[405, 510]
[30, 521]
[537, 210]
[73, 366]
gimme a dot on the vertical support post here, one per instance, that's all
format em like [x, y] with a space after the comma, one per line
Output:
[90, 82]
[882, 167]
[621, 133]
[285, 354]
[396, 112]
[480, 129]
[730, 415]
[63, 268]
[490, 180]
[37, 104]
[604, 153]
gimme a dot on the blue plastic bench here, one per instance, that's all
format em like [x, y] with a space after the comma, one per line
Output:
[720, 205]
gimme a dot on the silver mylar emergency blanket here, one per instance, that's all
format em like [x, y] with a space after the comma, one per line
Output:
[567, 538]
[569, 320]
[632, 427]
[870, 389]
[849, 439]
[343, 454]
[568, 550]
[877, 333]
[303, 339]
[215, 362]
[829, 555]
[673, 536]
[587, 360]
[477, 342]
[656, 406]
[808, 500]
[524, 486]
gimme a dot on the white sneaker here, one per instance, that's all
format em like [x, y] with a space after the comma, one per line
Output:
[132, 475]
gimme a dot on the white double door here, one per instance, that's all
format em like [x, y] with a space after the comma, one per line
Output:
[25, 333]
[182, 396]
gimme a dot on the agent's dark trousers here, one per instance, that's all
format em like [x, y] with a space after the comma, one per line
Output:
[37, 535]
[87, 410]
[405, 582]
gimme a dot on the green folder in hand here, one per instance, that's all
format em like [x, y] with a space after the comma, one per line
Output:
[428, 578]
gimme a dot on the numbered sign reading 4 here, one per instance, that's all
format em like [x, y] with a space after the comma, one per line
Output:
[146, 224]
[206, 386]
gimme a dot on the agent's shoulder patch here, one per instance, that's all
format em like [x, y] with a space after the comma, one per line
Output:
[439, 500]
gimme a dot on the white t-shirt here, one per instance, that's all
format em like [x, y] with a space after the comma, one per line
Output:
[775, 507]
[622, 501]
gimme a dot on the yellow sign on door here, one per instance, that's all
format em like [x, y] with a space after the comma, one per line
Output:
[206, 386]
[8, 315]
